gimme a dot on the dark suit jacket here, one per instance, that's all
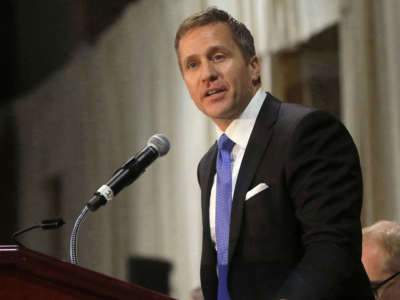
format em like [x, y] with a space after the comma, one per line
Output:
[301, 237]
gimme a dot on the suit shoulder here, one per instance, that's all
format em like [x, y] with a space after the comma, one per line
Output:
[294, 120]
[291, 115]
[292, 112]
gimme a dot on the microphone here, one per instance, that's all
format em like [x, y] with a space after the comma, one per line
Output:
[45, 225]
[157, 145]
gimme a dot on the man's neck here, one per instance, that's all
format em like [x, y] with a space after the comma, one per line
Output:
[223, 124]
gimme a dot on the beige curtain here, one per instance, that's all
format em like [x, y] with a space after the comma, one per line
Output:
[370, 76]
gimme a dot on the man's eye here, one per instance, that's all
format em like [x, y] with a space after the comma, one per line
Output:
[218, 57]
[191, 65]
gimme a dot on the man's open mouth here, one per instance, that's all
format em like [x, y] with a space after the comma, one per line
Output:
[212, 92]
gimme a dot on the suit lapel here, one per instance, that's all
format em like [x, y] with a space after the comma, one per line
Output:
[258, 142]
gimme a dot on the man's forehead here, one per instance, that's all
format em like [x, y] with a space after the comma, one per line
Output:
[213, 36]
[213, 29]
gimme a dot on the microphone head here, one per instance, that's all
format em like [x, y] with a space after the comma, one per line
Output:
[160, 142]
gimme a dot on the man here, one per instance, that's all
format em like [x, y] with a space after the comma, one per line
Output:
[281, 189]
[381, 258]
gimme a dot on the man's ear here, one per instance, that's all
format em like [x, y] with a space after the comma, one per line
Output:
[255, 70]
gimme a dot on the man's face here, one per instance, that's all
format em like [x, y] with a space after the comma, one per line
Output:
[374, 258]
[217, 77]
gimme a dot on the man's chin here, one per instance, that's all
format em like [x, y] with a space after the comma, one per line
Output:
[221, 120]
[218, 115]
[220, 110]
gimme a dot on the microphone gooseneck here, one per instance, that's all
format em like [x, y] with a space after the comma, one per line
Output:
[158, 145]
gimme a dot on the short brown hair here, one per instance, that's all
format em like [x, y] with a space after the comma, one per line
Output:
[212, 15]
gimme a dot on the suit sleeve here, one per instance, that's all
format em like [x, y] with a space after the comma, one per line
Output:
[323, 178]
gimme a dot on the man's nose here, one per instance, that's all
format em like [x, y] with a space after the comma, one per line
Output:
[209, 72]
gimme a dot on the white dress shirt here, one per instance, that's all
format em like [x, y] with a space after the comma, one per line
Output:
[239, 132]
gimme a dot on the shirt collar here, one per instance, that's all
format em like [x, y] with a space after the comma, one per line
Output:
[240, 129]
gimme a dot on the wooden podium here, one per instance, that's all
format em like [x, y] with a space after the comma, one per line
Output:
[26, 274]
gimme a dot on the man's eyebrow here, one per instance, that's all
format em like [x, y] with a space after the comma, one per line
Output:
[210, 51]
[216, 48]
[188, 58]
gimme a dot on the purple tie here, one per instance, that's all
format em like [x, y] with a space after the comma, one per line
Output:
[223, 212]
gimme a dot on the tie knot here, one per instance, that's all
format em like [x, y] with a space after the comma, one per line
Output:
[225, 143]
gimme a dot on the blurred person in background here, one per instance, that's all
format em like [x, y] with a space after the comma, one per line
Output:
[381, 258]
